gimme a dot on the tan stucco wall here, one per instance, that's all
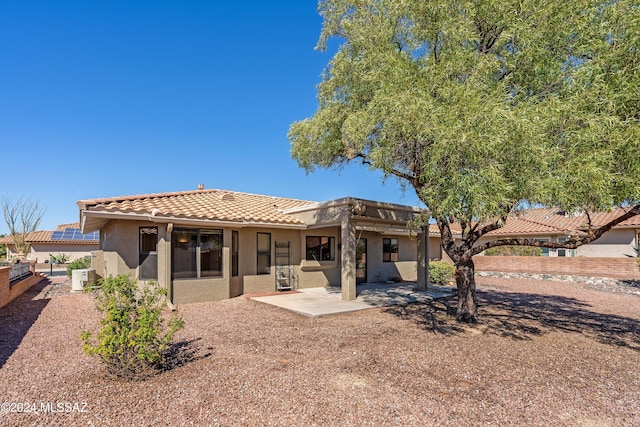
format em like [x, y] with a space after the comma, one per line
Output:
[313, 274]
[613, 244]
[119, 243]
[187, 291]
[40, 251]
[248, 259]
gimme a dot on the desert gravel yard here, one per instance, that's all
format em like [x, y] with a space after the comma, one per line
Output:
[545, 353]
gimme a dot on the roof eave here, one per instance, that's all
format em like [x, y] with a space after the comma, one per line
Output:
[94, 220]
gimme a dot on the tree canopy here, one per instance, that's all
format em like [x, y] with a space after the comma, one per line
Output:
[483, 106]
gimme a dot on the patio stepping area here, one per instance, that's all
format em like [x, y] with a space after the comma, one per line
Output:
[324, 301]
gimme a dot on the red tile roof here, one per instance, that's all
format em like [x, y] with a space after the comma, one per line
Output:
[554, 221]
[63, 227]
[44, 236]
[214, 205]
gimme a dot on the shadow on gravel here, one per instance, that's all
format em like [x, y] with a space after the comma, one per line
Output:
[523, 316]
[17, 317]
[184, 352]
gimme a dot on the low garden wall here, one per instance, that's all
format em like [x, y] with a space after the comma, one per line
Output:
[9, 292]
[617, 268]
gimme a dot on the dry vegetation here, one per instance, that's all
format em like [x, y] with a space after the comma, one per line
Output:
[545, 353]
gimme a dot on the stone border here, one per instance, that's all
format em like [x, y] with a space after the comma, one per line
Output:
[597, 283]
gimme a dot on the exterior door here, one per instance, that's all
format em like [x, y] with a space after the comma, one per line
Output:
[361, 261]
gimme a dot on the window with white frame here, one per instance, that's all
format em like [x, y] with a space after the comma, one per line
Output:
[565, 252]
[545, 251]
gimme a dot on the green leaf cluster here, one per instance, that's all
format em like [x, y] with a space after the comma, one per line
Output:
[133, 338]
[59, 258]
[441, 272]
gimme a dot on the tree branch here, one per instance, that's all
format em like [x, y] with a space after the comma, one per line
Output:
[447, 239]
[571, 243]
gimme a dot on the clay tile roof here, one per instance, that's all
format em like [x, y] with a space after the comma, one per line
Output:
[63, 227]
[554, 221]
[215, 205]
[44, 236]
[33, 237]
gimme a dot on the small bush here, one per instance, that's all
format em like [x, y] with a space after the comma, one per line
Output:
[441, 272]
[59, 258]
[78, 264]
[514, 251]
[133, 341]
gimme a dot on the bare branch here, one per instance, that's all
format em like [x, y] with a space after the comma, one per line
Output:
[22, 217]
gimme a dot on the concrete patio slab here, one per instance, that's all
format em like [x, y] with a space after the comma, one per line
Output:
[316, 302]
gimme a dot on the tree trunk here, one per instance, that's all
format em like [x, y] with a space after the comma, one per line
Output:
[466, 284]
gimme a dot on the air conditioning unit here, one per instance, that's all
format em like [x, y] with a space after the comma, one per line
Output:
[81, 278]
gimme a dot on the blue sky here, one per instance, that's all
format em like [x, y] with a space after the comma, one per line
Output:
[110, 98]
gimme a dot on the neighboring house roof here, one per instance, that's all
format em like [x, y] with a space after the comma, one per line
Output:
[210, 205]
[44, 236]
[553, 221]
[63, 227]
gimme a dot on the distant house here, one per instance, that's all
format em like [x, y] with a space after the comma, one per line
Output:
[553, 225]
[214, 244]
[65, 239]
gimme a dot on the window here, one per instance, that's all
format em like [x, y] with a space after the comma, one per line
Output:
[196, 253]
[148, 253]
[545, 251]
[321, 248]
[234, 253]
[389, 250]
[264, 253]
[565, 252]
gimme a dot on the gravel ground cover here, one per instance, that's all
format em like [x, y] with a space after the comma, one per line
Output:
[544, 353]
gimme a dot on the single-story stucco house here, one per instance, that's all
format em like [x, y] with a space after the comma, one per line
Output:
[214, 244]
[65, 239]
[553, 225]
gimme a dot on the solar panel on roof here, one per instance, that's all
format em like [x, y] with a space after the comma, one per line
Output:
[74, 234]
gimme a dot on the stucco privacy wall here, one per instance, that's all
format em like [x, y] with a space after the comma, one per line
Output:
[41, 251]
[617, 268]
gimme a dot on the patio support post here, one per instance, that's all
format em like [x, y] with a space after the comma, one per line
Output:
[423, 259]
[348, 257]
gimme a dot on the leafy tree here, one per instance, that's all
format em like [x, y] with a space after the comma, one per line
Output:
[484, 107]
[22, 217]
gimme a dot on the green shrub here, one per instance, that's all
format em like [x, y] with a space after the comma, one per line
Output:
[78, 264]
[133, 340]
[514, 251]
[441, 272]
[59, 258]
